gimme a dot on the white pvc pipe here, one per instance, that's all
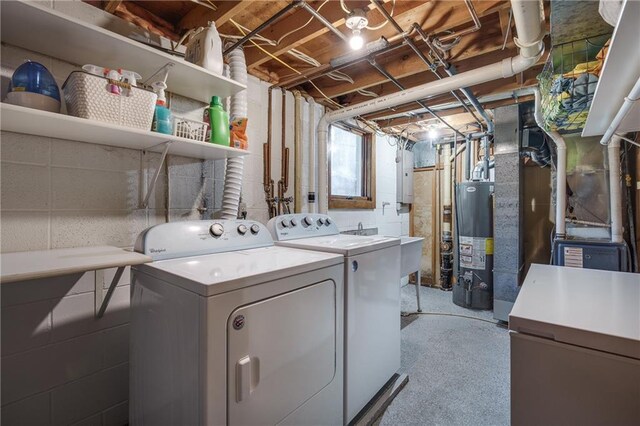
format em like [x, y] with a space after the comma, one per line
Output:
[446, 204]
[233, 173]
[529, 21]
[312, 151]
[615, 192]
[633, 97]
[561, 168]
[297, 142]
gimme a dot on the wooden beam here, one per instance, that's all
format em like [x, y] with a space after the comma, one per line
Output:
[112, 5]
[199, 16]
[504, 22]
[405, 63]
[437, 16]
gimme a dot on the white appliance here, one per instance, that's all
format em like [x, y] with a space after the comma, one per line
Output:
[575, 348]
[226, 328]
[372, 299]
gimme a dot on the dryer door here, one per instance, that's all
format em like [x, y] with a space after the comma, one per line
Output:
[281, 352]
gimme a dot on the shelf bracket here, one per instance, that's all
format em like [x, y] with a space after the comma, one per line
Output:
[102, 299]
[154, 180]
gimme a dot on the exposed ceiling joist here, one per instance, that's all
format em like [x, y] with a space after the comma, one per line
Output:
[200, 16]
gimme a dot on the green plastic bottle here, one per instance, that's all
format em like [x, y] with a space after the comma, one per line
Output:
[219, 121]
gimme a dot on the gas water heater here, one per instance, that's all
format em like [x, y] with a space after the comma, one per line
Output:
[474, 217]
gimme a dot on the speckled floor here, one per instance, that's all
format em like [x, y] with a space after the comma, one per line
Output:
[458, 367]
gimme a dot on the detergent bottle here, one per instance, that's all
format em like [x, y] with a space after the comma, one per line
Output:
[162, 118]
[205, 48]
[219, 120]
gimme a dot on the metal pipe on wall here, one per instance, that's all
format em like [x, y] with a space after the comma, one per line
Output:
[267, 181]
[476, 24]
[312, 155]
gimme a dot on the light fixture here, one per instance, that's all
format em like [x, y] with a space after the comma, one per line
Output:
[433, 133]
[356, 41]
[356, 22]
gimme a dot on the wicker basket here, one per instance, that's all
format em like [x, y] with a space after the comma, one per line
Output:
[89, 96]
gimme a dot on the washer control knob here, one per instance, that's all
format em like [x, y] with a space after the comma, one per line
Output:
[327, 221]
[285, 223]
[255, 229]
[216, 230]
[242, 229]
[294, 223]
[307, 221]
[321, 221]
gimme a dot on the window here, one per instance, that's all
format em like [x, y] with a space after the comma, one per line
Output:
[351, 169]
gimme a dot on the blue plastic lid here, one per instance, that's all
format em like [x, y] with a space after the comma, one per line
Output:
[35, 78]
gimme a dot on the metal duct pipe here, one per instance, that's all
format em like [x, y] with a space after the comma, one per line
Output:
[399, 85]
[561, 168]
[233, 172]
[407, 39]
[615, 192]
[324, 21]
[450, 70]
[634, 96]
[275, 18]
[297, 154]
[467, 159]
[530, 15]
[485, 147]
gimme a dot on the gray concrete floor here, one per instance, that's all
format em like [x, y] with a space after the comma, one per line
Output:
[458, 367]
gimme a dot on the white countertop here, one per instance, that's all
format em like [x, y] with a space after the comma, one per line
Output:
[29, 265]
[585, 307]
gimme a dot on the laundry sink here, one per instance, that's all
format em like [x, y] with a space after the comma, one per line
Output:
[410, 254]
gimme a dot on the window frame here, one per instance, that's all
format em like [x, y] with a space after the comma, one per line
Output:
[368, 201]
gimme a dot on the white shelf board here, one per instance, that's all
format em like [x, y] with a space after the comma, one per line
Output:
[42, 123]
[30, 265]
[52, 33]
[620, 72]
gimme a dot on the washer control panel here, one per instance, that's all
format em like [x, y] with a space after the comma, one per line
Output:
[301, 225]
[200, 237]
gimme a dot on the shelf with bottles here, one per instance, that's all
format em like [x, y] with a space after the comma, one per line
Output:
[44, 30]
[31, 121]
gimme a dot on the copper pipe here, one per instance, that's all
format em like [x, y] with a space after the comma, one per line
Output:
[476, 25]
[283, 144]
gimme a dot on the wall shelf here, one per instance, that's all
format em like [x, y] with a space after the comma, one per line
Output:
[620, 72]
[42, 123]
[46, 31]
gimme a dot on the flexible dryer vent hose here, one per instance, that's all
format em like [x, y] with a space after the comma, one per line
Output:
[233, 172]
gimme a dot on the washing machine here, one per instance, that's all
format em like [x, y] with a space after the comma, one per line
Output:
[372, 299]
[227, 328]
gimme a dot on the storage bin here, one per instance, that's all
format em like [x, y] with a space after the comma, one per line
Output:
[90, 96]
[190, 129]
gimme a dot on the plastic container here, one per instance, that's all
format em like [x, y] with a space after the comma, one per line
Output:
[205, 49]
[33, 86]
[89, 96]
[162, 117]
[219, 120]
[190, 129]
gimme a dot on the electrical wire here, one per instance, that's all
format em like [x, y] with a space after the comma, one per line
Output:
[385, 22]
[344, 7]
[407, 314]
[285, 64]
[302, 26]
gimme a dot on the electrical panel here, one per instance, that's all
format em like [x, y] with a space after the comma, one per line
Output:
[404, 176]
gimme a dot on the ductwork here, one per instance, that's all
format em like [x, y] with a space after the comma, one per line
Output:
[561, 168]
[233, 172]
[615, 193]
[529, 20]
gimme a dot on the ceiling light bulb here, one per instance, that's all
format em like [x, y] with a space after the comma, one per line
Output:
[433, 134]
[356, 41]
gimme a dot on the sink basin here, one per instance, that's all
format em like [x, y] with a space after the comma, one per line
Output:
[410, 254]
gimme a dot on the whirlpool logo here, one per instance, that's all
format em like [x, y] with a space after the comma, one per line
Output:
[162, 250]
